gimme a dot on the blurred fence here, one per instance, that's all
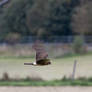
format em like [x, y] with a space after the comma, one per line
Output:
[56, 46]
[55, 39]
[51, 39]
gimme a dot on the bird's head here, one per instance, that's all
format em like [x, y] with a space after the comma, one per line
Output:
[48, 62]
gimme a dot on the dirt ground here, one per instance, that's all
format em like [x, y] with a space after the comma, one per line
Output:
[46, 89]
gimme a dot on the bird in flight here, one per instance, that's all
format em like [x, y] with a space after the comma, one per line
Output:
[41, 55]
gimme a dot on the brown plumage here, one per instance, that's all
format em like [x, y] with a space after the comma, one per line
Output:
[41, 55]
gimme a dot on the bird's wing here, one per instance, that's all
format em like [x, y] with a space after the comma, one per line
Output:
[40, 51]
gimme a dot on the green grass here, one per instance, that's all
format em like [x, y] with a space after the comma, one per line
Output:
[47, 83]
[14, 66]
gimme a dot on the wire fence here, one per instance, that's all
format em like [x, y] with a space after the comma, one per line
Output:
[55, 39]
[55, 46]
[49, 39]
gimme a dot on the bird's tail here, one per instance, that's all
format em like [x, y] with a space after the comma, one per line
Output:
[28, 63]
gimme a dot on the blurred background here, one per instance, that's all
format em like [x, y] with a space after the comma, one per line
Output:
[64, 26]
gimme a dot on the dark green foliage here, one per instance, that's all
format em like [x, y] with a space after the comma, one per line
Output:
[12, 38]
[33, 78]
[14, 18]
[38, 81]
[58, 23]
[37, 18]
[81, 18]
[67, 82]
[64, 78]
[90, 79]
[78, 45]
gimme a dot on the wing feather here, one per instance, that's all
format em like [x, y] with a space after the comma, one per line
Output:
[40, 51]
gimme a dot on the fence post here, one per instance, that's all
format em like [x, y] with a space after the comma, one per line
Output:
[74, 69]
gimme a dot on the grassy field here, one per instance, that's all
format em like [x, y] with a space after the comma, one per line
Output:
[60, 67]
[47, 83]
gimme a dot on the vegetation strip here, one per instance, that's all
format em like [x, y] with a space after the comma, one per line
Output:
[46, 83]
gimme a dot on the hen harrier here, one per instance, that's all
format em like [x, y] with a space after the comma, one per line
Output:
[41, 55]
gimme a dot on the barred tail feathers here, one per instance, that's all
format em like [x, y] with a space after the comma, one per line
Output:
[28, 64]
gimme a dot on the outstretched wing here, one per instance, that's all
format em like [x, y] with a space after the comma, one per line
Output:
[40, 51]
